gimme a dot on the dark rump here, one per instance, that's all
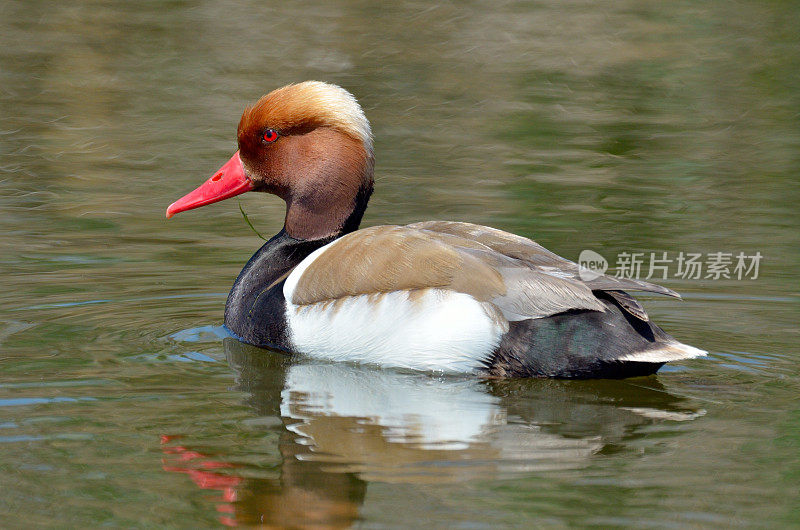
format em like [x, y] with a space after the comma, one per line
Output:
[578, 344]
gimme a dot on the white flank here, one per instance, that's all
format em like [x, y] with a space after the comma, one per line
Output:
[673, 351]
[439, 330]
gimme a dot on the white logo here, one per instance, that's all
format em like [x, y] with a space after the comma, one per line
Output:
[591, 265]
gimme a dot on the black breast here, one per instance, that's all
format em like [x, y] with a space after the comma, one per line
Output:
[256, 309]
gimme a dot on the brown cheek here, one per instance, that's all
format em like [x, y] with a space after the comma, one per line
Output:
[323, 154]
[261, 166]
[300, 163]
[289, 160]
[280, 161]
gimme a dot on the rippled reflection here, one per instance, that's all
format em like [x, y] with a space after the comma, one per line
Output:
[342, 426]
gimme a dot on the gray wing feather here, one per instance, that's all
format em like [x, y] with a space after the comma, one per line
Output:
[529, 293]
[541, 282]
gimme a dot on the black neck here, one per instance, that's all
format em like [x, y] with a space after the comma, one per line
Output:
[255, 308]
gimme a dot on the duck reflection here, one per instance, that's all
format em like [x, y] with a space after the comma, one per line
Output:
[342, 426]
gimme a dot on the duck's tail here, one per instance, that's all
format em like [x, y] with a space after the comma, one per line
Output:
[663, 352]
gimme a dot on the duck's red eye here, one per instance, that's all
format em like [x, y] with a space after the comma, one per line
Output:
[270, 135]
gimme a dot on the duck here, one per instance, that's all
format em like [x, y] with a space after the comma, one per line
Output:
[438, 296]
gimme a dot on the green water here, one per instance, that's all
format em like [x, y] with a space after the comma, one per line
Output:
[612, 126]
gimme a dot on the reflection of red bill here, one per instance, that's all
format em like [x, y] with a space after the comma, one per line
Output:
[204, 479]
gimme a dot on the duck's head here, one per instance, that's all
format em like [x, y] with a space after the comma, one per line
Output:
[310, 144]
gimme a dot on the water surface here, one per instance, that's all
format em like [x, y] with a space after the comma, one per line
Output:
[612, 126]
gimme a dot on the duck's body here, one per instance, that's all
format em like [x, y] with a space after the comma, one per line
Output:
[446, 296]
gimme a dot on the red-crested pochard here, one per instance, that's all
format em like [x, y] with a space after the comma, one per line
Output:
[436, 295]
